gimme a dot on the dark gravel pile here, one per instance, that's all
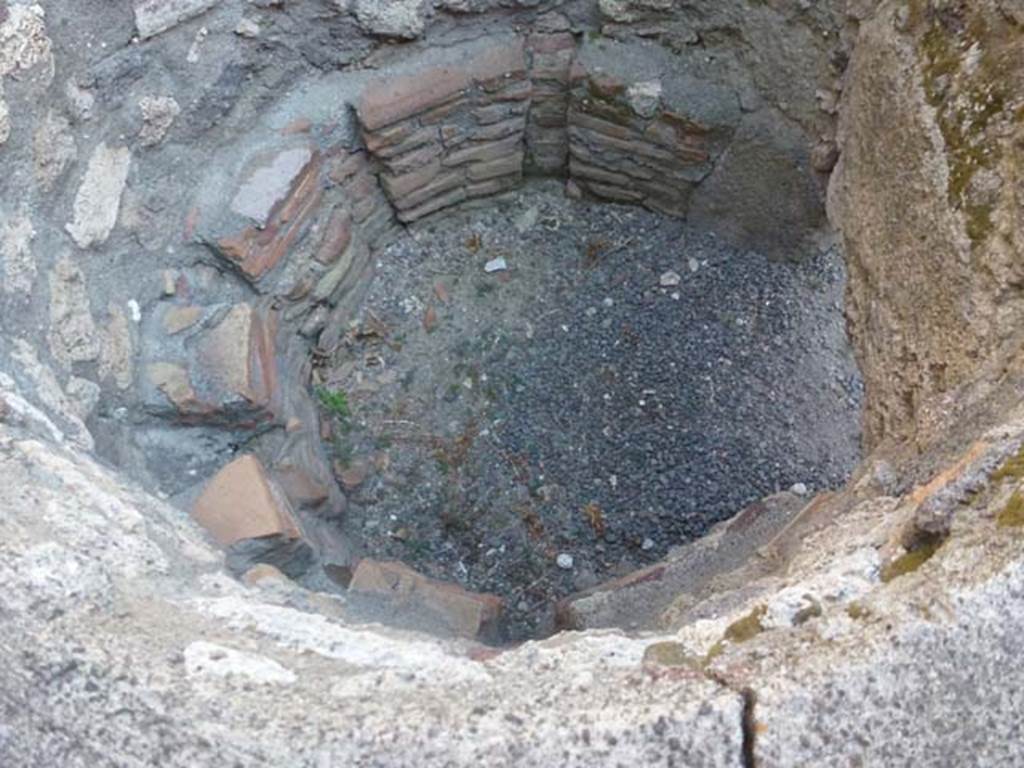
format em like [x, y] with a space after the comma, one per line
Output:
[622, 386]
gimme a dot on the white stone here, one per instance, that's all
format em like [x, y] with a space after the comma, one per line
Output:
[23, 39]
[155, 16]
[565, 561]
[203, 658]
[19, 266]
[800, 489]
[80, 101]
[645, 97]
[83, 396]
[267, 181]
[99, 197]
[5, 117]
[670, 279]
[247, 28]
[392, 18]
[53, 148]
[72, 334]
[116, 352]
[496, 265]
[158, 114]
[47, 391]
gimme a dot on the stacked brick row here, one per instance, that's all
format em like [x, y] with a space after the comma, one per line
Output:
[653, 159]
[446, 135]
[552, 51]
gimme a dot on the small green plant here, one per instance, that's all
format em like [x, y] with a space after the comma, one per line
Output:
[911, 560]
[335, 402]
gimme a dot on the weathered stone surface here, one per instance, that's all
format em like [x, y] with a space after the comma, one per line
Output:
[778, 218]
[155, 16]
[403, 19]
[83, 395]
[179, 318]
[268, 181]
[235, 359]
[24, 43]
[117, 354]
[53, 148]
[281, 192]
[46, 390]
[897, 687]
[158, 115]
[72, 336]
[565, 702]
[916, 221]
[464, 613]
[241, 502]
[99, 196]
[19, 265]
[5, 117]
[638, 600]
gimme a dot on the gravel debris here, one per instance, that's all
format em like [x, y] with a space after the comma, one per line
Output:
[564, 561]
[571, 405]
[670, 279]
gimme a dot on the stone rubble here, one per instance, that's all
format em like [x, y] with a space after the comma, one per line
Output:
[125, 643]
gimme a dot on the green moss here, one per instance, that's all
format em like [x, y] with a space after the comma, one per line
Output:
[912, 560]
[335, 402]
[740, 631]
[669, 654]
[1012, 468]
[746, 628]
[714, 652]
[856, 611]
[1012, 515]
[968, 79]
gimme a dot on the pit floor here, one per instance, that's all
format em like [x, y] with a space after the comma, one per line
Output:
[622, 385]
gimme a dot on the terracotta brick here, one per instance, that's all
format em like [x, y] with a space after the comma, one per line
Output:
[387, 137]
[610, 192]
[398, 187]
[500, 61]
[551, 43]
[454, 197]
[495, 113]
[257, 251]
[483, 153]
[177, 318]
[512, 91]
[454, 135]
[240, 502]
[388, 101]
[505, 166]
[552, 66]
[465, 613]
[441, 184]
[415, 159]
[366, 207]
[440, 114]
[301, 488]
[173, 381]
[418, 138]
[603, 127]
[345, 166]
[336, 236]
[493, 186]
[234, 361]
[581, 170]
[501, 130]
